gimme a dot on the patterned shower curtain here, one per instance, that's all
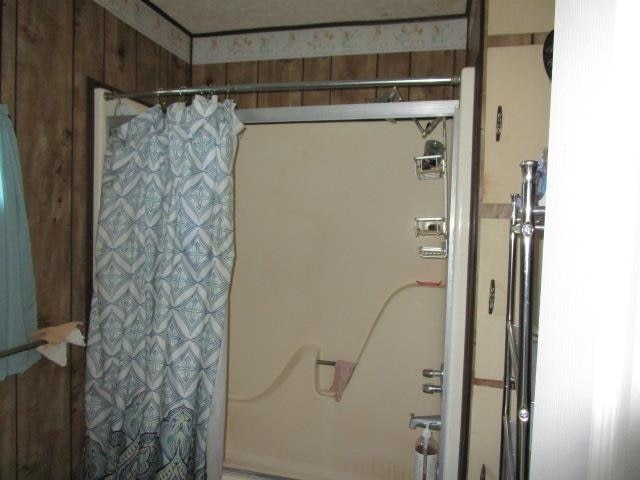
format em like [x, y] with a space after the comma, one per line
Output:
[164, 254]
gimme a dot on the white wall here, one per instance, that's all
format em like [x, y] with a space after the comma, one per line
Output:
[587, 416]
[324, 234]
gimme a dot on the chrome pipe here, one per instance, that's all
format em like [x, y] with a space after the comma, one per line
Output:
[290, 86]
[538, 217]
[527, 230]
[510, 360]
[511, 283]
[538, 210]
[507, 458]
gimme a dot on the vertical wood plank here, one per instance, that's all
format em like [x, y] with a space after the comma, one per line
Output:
[475, 32]
[393, 65]
[243, 72]
[211, 74]
[174, 73]
[44, 126]
[8, 422]
[316, 70]
[272, 71]
[8, 433]
[147, 64]
[459, 62]
[183, 70]
[430, 64]
[539, 38]
[7, 76]
[511, 40]
[352, 67]
[88, 62]
[120, 54]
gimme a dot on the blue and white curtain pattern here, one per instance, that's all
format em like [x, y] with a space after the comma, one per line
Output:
[164, 256]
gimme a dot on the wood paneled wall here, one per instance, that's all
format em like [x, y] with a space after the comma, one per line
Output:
[387, 65]
[49, 48]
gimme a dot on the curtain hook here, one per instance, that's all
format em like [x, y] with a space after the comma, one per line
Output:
[162, 101]
[186, 98]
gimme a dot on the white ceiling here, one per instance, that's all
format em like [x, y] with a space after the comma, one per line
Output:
[211, 16]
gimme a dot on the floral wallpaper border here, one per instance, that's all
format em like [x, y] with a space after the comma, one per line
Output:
[148, 22]
[320, 42]
[310, 42]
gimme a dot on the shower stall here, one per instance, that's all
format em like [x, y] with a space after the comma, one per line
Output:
[352, 241]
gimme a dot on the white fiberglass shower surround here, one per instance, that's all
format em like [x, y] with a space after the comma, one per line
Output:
[327, 259]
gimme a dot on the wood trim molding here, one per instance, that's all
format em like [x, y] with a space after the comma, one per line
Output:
[495, 210]
[488, 382]
[516, 40]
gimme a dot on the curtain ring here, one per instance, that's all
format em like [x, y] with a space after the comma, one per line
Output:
[162, 100]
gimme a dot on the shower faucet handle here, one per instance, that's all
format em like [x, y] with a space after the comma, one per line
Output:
[431, 389]
[432, 373]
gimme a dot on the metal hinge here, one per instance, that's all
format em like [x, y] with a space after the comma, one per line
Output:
[492, 296]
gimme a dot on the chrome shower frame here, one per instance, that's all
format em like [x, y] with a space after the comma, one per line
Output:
[459, 219]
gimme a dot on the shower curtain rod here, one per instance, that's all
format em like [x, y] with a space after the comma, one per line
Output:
[22, 348]
[290, 86]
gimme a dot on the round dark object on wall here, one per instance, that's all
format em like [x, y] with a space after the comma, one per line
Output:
[547, 53]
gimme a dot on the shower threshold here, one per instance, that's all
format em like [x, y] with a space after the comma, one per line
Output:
[237, 474]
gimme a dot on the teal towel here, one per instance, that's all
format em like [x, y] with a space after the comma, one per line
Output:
[18, 313]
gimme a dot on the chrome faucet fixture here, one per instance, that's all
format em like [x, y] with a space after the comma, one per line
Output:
[432, 373]
[432, 422]
[431, 389]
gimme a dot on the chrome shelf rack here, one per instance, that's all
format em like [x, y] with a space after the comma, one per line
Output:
[519, 365]
[430, 166]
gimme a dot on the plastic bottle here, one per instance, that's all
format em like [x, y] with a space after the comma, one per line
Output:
[419, 460]
[425, 457]
[431, 459]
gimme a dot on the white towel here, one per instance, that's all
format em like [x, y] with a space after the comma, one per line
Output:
[58, 337]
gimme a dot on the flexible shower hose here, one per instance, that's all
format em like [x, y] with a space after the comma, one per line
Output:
[314, 351]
